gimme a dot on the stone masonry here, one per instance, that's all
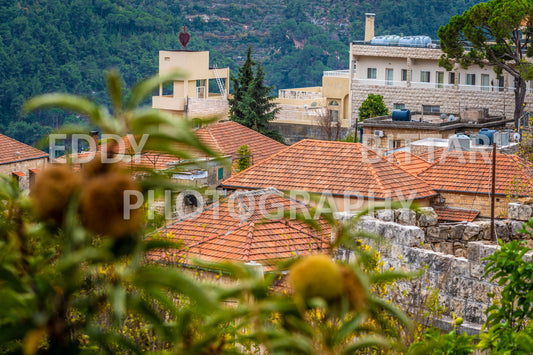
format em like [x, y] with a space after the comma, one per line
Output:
[450, 255]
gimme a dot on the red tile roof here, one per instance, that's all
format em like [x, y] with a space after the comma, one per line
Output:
[453, 214]
[227, 136]
[11, 150]
[338, 167]
[408, 162]
[433, 154]
[224, 137]
[233, 231]
[472, 172]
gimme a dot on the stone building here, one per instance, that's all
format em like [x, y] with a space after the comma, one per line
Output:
[464, 179]
[349, 175]
[407, 75]
[302, 109]
[384, 133]
[20, 161]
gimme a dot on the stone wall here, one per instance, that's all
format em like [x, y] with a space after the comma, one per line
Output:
[449, 100]
[207, 107]
[461, 286]
[24, 167]
[450, 254]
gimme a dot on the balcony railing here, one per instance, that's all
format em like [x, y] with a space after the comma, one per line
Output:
[337, 73]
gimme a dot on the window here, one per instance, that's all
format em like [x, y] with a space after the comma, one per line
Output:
[395, 143]
[430, 109]
[484, 82]
[372, 73]
[220, 173]
[470, 79]
[389, 75]
[334, 114]
[399, 106]
[425, 76]
[451, 79]
[501, 83]
[404, 74]
[440, 79]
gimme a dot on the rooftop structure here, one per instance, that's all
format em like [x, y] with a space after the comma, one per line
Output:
[20, 161]
[464, 179]
[342, 169]
[237, 229]
[190, 94]
[407, 75]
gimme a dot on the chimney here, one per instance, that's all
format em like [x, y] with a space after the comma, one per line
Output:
[369, 26]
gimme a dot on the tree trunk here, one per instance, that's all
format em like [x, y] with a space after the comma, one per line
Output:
[519, 98]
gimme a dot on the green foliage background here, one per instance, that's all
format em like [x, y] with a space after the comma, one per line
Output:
[50, 45]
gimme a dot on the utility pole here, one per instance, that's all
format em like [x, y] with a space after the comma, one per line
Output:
[493, 236]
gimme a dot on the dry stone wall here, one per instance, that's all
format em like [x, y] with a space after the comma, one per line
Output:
[416, 241]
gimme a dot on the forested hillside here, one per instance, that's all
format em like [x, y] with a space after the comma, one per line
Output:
[52, 45]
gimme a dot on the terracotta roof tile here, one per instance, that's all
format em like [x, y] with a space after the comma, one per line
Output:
[471, 172]
[338, 167]
[221, 233]
[11, 150]
[453, 214]
[433, 154]
[227, 136]
[408, 162]
[224, 137]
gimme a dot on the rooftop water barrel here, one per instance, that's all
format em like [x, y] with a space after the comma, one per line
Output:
[378, 40]
[486, 136]
[401, 115]
[459, 142]
[408, 41]
[393, 40]
[425, 40]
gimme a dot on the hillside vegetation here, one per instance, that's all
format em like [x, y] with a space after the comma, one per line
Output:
[52, 45]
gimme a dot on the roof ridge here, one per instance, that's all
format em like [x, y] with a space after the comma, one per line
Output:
[249, 241]
[264, 160]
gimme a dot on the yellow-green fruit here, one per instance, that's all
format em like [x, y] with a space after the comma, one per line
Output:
[355, 290]
[102, 206]
[52, 191]
[316, 276]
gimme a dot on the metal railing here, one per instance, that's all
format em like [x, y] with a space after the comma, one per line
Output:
[337, 73]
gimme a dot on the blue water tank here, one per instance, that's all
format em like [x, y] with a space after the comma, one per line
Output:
[378, 40]
[393, 40]
[485, 136]
[401, 115]
[408, 41]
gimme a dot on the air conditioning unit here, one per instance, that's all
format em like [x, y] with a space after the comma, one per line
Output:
[379, 134]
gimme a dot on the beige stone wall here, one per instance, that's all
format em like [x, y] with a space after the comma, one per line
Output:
[479, 202]
[207, 107]
[449, 100]
[24, 167]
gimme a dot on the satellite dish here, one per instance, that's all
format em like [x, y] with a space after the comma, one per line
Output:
[451, 118]
[516, 137]
[306, 107]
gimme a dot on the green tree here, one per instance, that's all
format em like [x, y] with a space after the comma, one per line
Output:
[373, 106]
[496, 33]
[251, 104]
[244, 159]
